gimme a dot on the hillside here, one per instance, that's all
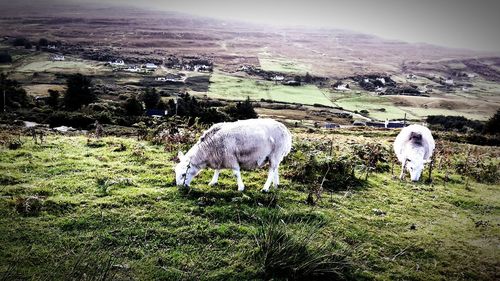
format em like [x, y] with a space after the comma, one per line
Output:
[79, 208]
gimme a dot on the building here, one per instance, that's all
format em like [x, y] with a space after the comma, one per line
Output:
[151, 66]
[117, 63]
[58, 58]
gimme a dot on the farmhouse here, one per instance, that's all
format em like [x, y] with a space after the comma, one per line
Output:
[331, 126]
[174, 78]
[117, 63]
[134, 69]
[57, 58]
[291, 83]
[151, 66]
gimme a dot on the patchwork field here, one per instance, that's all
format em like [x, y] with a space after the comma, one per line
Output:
[239, 88]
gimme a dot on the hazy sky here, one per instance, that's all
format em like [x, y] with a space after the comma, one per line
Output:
[473, 24]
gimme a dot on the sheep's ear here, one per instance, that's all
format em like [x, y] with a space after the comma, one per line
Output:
[180, 155]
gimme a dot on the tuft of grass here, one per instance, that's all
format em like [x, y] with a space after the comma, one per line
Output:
[300, 254]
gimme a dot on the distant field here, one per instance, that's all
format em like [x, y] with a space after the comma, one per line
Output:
[238, 88]
[280, 64]
[59, 66]
[395, 107]
[374, 105]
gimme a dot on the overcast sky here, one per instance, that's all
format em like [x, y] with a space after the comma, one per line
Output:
[473, 24]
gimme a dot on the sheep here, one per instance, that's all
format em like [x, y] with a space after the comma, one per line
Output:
[245, 144]
[414, 146]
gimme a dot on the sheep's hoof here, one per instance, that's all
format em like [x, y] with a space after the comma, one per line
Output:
[264, 190]
[212, 183]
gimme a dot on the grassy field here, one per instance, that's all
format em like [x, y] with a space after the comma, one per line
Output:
[282, 65]
[108, 210]
[373, 104]
[238, 88]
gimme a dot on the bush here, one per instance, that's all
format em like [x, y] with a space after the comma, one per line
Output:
[20, 41]
[43, 42]
[73, 119]
[79, 92]
[242, 110]
[306, 168]
[133, 107]
[492, 126]
[482, 171]
[53, 100]
[15, 95]
[5, 57]
[457, 123]
[151, 98]
[190, 107]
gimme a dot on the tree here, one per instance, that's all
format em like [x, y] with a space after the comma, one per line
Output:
[53, 100]
[151, 98]
[308, 78]
[79, 92]
[5, 57]
[492, 126]
[133, 107]
[15, 95]
[43, 42]
[242, 110]
[20, 41]
[28, 45]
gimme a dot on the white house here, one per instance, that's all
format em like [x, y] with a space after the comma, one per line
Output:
[382, 80]
[448, 81]
[58, 58]
[151, 66]
[342, 87]
[117, 63]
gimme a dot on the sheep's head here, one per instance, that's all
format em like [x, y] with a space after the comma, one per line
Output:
[185, 171]
[415, 167]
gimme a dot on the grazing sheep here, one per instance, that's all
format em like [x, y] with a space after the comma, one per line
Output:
[245, 144]
[414, 146]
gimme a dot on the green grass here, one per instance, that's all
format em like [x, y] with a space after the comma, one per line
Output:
[282, 65]
[373, 104]
[237, 88]
[73, 211]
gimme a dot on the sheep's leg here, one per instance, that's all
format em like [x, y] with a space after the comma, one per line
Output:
[271, 176]
[402, 175]
[276, 180]
[215, 178]
[237, 173]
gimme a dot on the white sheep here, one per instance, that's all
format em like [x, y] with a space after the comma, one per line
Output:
[244, 144]
[414, 146]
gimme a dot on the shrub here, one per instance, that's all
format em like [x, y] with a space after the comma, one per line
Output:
[333, 174]
[73, 119]
[151, 98]
[15, 95]
[43, 42]
[242, 110]
[5, 57]
[492, 126]
[20, 41]
[458, 123]
[53, 100]
[133, 107]
[79, 92]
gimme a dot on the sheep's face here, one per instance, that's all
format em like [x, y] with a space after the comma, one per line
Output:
[415, 168]
[184, 170]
